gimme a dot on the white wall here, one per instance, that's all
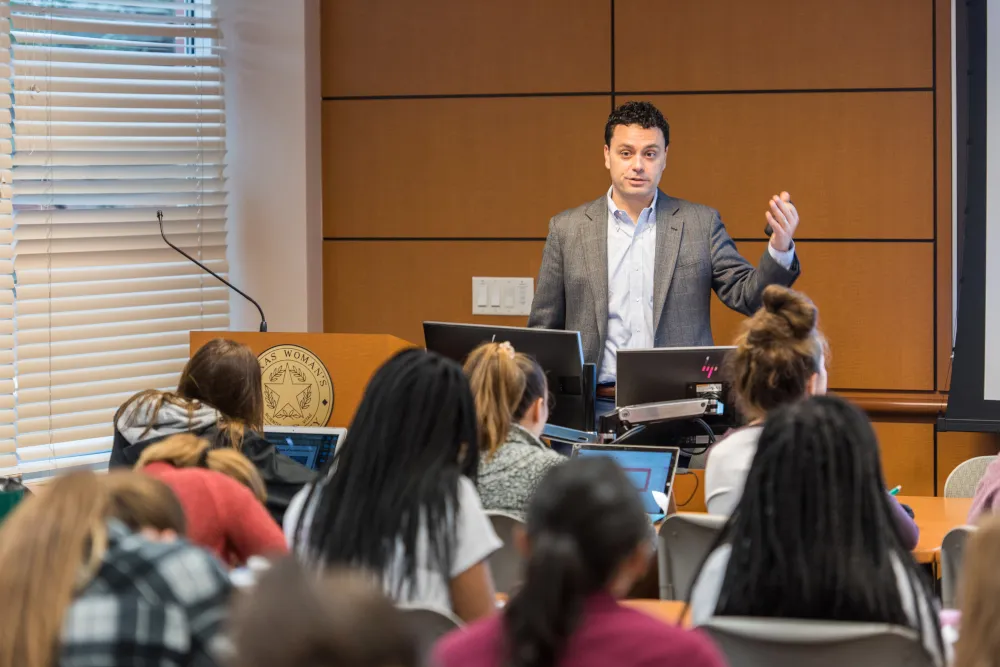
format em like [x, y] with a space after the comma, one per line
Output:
[274, 124]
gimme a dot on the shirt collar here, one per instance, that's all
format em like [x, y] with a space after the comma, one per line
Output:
[613, 208]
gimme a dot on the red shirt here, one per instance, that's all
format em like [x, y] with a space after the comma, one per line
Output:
[222, 515]
[609, 634]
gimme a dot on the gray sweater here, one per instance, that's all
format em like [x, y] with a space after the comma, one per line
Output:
[508, 479]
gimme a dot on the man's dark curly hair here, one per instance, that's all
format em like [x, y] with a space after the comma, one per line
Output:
[643, 114]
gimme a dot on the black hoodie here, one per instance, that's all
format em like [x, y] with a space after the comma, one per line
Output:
[134, 432]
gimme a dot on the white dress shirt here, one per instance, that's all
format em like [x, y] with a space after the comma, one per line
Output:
[631, 253]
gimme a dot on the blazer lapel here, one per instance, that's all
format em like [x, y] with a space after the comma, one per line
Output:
[669, 227]
[594, 235]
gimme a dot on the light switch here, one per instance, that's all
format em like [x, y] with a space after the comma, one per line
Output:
[508, 296]
[482, 291]
[502, 296]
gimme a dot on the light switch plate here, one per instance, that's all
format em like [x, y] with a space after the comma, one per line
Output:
[502, 296]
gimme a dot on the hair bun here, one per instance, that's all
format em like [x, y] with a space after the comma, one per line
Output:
[786, 314]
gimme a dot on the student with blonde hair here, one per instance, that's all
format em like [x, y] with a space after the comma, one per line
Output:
[979, 599]
[222, 494]
[81, 586]
[511, 395]
[219, 397]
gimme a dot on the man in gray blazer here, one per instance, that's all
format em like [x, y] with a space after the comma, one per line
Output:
[636, 267]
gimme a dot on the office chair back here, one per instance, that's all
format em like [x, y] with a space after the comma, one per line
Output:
[963, 480]
[506, 563]
[775, 642]
[952, 555]
[684, 542]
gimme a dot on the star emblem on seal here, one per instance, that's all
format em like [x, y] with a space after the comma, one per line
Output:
[298, 389]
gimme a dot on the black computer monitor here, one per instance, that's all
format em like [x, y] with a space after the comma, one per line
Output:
[667, 373]
[560, 353]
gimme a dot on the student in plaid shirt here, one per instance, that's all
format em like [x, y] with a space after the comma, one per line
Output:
[138, 596]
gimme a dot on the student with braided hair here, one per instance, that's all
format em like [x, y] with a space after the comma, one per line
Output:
[399, 500]
[813, 535]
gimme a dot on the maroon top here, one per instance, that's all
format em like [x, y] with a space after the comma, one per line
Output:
[609, 634]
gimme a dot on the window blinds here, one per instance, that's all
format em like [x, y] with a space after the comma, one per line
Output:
[117, 113]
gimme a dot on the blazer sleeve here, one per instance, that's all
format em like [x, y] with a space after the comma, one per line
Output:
[736, 281]
[548, 308]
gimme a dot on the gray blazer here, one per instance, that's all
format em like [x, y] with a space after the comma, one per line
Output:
[694, 255]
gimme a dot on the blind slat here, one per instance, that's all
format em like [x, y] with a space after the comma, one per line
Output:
[117, 113]
[141, 299]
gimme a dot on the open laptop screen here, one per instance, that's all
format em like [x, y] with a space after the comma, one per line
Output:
[310, 446]
[649, 468]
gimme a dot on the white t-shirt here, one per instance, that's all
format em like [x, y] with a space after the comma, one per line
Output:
[706, 590]
[475, 540]
[727, 468]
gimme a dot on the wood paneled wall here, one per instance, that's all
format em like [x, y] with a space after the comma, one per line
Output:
[454, 129]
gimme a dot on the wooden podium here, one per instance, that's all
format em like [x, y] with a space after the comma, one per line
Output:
[312, 379]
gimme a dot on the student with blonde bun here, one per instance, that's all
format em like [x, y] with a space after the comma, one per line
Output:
[780, 358]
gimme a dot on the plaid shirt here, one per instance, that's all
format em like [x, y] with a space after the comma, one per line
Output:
[150, 603]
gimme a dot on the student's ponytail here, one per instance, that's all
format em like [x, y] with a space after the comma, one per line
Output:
[504, 384]
[540, 619]
[185, 450]
[583, 522]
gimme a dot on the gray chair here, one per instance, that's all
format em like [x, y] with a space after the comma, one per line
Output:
[506, 563]
[964, 479]
[684, 542]
[428, 625]
[774, 642]
[952, 555]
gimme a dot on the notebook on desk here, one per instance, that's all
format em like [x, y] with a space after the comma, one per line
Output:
[649, 468]
[312, 446]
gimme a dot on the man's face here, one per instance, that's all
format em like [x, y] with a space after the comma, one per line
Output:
[636, 159]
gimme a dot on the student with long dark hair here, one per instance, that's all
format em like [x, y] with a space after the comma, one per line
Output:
[813, 535]
[219, 397]
[587, 542]
[400, 499]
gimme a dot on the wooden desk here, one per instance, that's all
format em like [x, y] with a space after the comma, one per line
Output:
[935, 516]
[690, 490]
[668, 611]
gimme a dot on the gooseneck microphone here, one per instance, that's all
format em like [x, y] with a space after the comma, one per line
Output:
[263, 322]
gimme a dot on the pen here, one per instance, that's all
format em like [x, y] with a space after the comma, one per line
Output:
[895, 490]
